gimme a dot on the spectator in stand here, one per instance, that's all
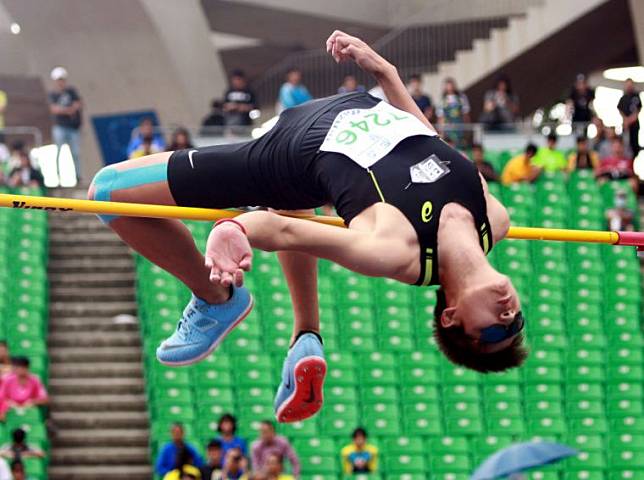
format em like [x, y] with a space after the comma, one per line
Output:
[275, 468]
[18, 470]
[227, 428]
[19, 448]
[20, 388]
[579, 103]
[453, 110]
[500, 105]
[5, 359]
[350, 84]
[145, 135]
[25, 174]
[359, 456]
[549, 158]
[583, 158]
[630, 106]
[215, 118]
[520, 168]
[65, 106]
[618, 166]
[293, 93]
[235, 465]
[620, 217]
[176, 451]
[485, 168]
[269, 443]
[180, 140]
[184, 468]
[239, 100]
[212, 469]
[424, 102]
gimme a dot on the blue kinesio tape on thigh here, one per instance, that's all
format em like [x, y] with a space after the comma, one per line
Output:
[109, 179]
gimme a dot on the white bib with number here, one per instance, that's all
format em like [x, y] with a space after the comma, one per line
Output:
[366, 135]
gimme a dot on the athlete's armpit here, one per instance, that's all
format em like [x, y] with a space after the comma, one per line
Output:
[499, 218]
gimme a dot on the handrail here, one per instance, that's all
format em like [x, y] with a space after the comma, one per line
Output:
[24, 130]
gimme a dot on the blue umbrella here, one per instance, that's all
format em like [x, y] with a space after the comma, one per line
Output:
[519, 457]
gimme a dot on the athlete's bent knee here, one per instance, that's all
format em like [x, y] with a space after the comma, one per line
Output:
[102, 187]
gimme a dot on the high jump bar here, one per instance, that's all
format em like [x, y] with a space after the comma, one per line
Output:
[635, 239]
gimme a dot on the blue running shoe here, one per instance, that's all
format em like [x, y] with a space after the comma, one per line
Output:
[299, 396]
[202, 328]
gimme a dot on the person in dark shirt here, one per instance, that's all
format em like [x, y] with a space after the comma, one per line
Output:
[580, 101]
[485, 168]
[212, 469]
[215, 118]
[65, 107]
[239, 100]
[19, 448]
[630, 106]
[25, 175]
[422, 100]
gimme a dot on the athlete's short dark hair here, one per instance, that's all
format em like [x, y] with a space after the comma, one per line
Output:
[415, 76]
[458, 349]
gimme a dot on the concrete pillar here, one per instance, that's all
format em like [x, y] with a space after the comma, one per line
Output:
[637, 16]
[122, 55]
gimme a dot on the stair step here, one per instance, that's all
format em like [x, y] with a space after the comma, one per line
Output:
[91, 309]
[92, 339]
[91, 264]
[99, 403]
[98, 386]
[94, 472]
[93, 354]
[68, 239]
[92, 279]
[113, 437]
[89, 251]
[94, 370]
[98, 420]
[91, 293]
[96, 455]
[91, 324]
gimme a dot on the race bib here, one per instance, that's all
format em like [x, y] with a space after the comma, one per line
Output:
[366, 135]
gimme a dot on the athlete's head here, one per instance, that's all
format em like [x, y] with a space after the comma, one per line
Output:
[481, 327]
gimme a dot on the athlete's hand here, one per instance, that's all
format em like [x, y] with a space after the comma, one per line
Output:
[228, 255]
[343, 47]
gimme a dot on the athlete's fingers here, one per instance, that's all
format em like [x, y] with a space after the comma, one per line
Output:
[238, 278]
[209, 262]
[226, 279]
[245, 263]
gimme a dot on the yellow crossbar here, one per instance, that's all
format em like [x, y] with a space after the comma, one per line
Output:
[206, 214]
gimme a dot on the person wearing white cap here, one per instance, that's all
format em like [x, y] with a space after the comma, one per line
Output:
[65, 106]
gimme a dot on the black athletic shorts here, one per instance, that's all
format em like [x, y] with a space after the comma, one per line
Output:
[279, 170]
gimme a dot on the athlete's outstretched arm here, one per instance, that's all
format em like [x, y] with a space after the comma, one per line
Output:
[344, 47]
[373, 253]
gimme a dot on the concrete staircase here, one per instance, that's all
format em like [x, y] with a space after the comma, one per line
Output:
[96, 384]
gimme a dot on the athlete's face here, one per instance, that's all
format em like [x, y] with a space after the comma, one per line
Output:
[491, 303]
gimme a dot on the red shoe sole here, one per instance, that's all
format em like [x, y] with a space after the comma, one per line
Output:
[306, 400]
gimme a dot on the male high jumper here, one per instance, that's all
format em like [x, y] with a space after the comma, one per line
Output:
[417, 211]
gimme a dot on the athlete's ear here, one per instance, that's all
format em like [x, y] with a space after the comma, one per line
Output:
[448, 317]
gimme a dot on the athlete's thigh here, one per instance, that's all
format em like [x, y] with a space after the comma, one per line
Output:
[140, 180]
